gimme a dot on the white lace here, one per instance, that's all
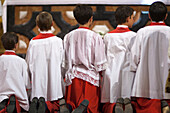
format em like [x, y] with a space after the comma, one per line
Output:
[82, 76]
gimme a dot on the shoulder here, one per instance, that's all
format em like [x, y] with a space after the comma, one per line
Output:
[52, 39]
[12, 58]
[123, 34]
[58, 41]
[156, 27]
[56, 38]
[143, 29]
[18, 58]
[148, 29]
[132, 32]
[82, 32]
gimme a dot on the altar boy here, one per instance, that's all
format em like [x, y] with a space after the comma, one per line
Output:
[44, 58]
[150, 60]
[14, 79]
[117, 78]
[84, 58]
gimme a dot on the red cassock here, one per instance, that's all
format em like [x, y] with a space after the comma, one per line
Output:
[84, 58]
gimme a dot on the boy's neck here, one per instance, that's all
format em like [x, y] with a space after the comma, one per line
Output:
[85, 25]
[124, 24]
[88, 24]
[10, 50]
[47, 31]
[158, 22]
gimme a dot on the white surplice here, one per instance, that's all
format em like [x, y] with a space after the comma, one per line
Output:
[44, 58]
[150, 61]
[117, 78]
[84, 56]
[14, 79]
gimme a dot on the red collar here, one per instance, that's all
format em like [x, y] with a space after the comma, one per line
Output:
[9, 53]
[157, 23]
[43, 36]
[120, 30]
[83, 27]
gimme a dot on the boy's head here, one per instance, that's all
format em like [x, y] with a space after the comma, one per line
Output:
[158, 11]
[124, 14]
[82, 13]
[9, 40]
[44, 21]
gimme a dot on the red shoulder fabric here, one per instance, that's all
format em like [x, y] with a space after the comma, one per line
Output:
[43, 36]
[157, 23]
[83, 27]
[120, 30]
[9, 53]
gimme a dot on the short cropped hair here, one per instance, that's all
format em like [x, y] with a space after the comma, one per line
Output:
[44, 21]
[158, 11]
[82, 13]
[122, 13]
[9, 40]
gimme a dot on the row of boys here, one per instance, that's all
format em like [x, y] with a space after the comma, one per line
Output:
[131, 64]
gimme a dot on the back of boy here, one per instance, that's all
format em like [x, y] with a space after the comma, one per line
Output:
[150, 56]
[84, 58]
[117, 78]
[44, 58]
[14, 76]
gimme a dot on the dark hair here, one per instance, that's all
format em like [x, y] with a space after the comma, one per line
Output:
[158, 11]
[9, 39]
[44, 21]
[122, 13]
[82, 13]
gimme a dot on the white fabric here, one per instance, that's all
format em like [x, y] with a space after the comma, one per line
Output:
[49, 31]
[44, 58]
[66, 2]
[117, 76]
[84, 56]
[14, 79]
[150, 61]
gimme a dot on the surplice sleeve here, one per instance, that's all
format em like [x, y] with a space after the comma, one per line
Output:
[135, 52]
[100, 61]
[169, 55]
[65, 57]
[26, 77]
[29, 60]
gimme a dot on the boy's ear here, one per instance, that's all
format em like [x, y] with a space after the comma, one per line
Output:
[166, 16]
[36, 26]
[91, 19]
[52, 23]
[16, 46]
[127, 19]
[149, 16]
